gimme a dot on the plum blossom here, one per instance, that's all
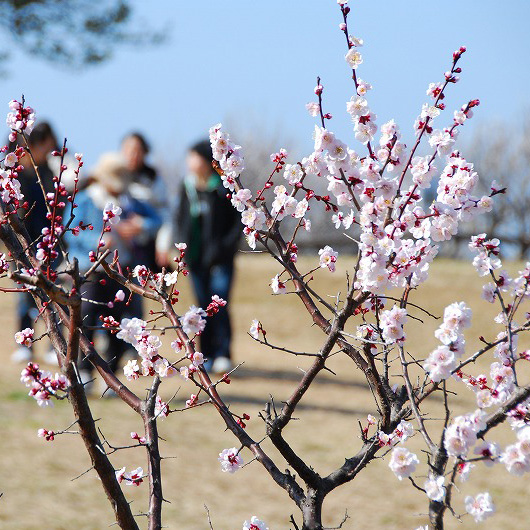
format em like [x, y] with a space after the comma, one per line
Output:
[357, 106]
[363, 87]
[49, 436]
[197, 359]
[253, 218]
[111, 213]
[120, 475]
[464, 469]
[255, 524]
[434, 488]
[278, 287]
[10, 160]
[141, 272]
[301, 209]
[313, 108]
[293, 173]
[255, 328]
[480, 507]
[328, 257]
[516, 461]
[119, 296]
[161, 408]
[193, 320]
[489, 451]
[131, 329]
[402, 432]
[353, 58]
[192, 401]
[171, 278]
[24, 337]
[131, 370]
[489, 292]
[240, 199]
[461, 435]
[21, 119]
[230, 460]
[136, 436]
[440, 363]
[392, 322]
[43, 385]
[422, 171]
[402, 462]
[134, 478]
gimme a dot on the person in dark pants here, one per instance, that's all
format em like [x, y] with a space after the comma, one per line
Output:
[138, 222]
[206, 221]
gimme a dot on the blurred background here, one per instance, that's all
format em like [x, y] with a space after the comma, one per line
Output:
[99, 70]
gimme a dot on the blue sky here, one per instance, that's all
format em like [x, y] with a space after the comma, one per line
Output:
[255, 63]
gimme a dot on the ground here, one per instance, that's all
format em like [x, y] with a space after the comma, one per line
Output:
[38, 490]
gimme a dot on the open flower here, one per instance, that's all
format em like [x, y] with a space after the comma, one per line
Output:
[230, 460]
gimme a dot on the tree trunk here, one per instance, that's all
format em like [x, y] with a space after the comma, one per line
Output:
[312, 510]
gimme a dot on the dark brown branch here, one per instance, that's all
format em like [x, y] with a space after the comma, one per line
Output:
[155, 475]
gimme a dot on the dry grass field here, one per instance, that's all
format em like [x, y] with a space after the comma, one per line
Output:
[36, 476]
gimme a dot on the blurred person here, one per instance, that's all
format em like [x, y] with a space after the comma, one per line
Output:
[205, 220]
[146, 186]
[138, 223]
[42, 141]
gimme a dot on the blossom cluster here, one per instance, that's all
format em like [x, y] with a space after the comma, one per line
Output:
[49, 436]
[392, 322]
[381, 197]
[43, 385]
[443, 360]
[10, 189]
[21, 119]
[147, 344]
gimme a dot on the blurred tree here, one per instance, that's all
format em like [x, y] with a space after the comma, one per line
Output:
[501, 152]
[73, 32]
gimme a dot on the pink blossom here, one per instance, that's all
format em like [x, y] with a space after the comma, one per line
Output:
[197, 359]
[119, 296]
[328, 257]
[278, 287]
[161, 408]
[230, 460]
[402, 462]
[255, 329]
[255, 524]
[392, 322]
[434, 488]
[24, 337]
[49, 436]
[353, 58]
[192, 401]
[240, 199]
[131, 370]
[440, 363]
[111, 213]
[193, 320]
[120, 475]
[134, 478]
[136, 436]
[131, 330]
[480, 507]
[313, 108]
